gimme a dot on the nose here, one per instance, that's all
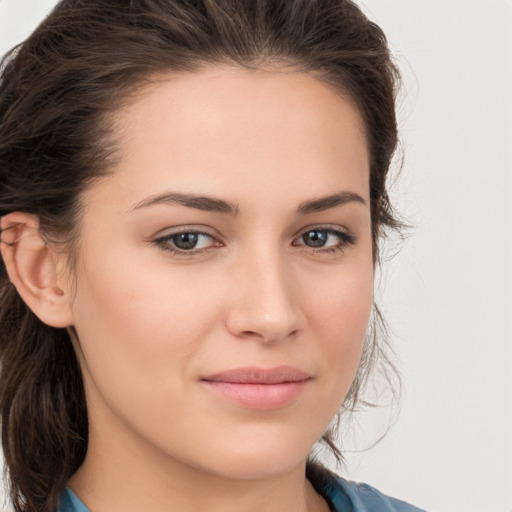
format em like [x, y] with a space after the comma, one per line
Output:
[265, 302]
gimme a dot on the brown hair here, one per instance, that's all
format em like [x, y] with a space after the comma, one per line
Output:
[56, 91]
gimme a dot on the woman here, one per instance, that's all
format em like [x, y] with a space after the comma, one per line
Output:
[193, 194]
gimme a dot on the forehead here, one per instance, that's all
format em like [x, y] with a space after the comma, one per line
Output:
[279, 127]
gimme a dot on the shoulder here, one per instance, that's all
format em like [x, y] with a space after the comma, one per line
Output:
[345, 495]
[365, 498]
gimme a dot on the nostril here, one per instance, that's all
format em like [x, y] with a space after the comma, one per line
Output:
[269, 339]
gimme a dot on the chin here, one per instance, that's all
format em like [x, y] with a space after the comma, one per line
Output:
[259, 468]
[257, 456]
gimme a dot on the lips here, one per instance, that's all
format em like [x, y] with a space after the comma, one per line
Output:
[259, 388]
[254, 375]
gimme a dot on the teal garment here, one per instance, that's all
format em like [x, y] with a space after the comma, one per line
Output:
[69, 502]
[346, 496]
[342, 496]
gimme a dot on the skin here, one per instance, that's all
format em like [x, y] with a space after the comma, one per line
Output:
[151, 324]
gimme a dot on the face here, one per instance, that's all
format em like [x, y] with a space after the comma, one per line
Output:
[225, 273]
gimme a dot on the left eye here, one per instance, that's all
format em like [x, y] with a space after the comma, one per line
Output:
[323, 237]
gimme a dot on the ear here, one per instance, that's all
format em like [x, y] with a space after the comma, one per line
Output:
[31, 266]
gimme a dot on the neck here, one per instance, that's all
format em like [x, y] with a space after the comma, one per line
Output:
[114, 477]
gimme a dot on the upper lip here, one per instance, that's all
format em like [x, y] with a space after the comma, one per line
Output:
[256, 375]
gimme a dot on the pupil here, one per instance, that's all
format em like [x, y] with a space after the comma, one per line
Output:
[185, 240]
[315, 238]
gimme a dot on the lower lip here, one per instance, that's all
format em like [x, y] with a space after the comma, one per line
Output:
[263, 397]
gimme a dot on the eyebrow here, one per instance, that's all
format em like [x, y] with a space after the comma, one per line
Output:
[325, 203]
[212, 204]
[209, 204]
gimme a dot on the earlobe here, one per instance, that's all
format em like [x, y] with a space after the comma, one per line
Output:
[32, 270]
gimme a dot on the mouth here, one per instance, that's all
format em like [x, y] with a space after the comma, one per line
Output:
[259, 388]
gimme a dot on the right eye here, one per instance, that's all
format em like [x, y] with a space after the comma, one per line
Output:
[187, 242]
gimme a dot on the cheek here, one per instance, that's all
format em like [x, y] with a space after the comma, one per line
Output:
[346, 311]
[339, 314]
[138, 323]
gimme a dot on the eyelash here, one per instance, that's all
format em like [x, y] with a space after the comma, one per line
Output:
[345, 239]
